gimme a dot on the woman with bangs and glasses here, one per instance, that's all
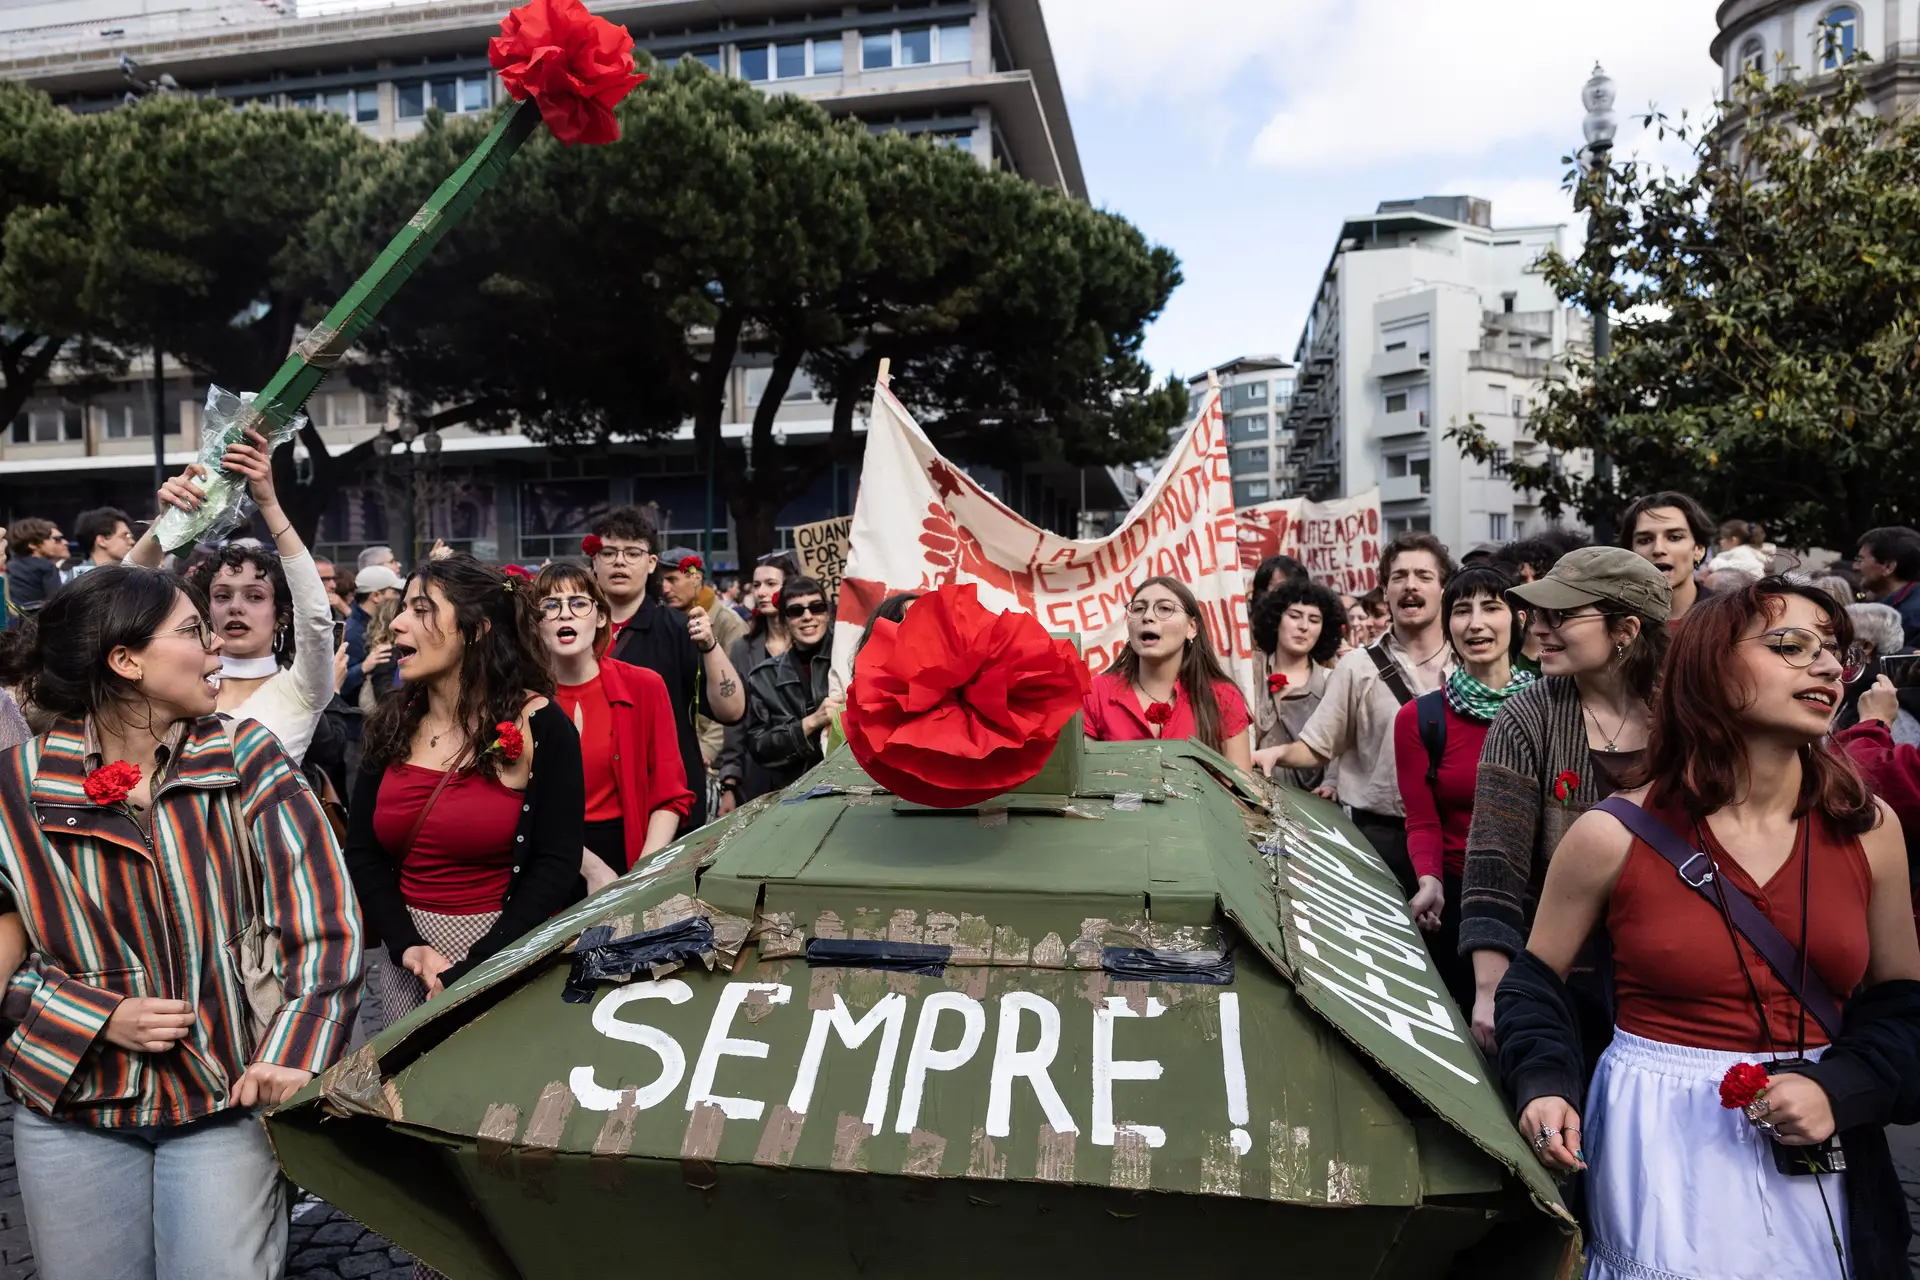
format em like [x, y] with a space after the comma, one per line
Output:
[790, 701]
[1766, 973]
[1168, 681]
[629, 750]
[1557, 748]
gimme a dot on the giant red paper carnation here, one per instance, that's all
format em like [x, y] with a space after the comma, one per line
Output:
[957, 703]
[575, 67]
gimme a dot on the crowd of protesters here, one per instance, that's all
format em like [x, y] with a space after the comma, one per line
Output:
[1602, 776]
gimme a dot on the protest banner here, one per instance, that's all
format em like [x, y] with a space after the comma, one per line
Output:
[1338, 542]
[920, 522]
[822, 550]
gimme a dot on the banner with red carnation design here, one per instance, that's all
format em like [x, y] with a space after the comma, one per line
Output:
[921, 522]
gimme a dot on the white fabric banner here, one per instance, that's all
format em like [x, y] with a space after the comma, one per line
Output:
[1338, 542]
[919, 522]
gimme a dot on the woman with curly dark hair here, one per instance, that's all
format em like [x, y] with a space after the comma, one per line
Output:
[1296, 635]
[457, 844]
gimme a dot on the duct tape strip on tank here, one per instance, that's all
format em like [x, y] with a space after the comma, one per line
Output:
[1138, 964]
[926, 959]
[598, 957]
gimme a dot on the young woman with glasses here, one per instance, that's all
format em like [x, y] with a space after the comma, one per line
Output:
[1168, 682]
[741, 776]
[628, 750]
[790, 702]
[466, 829]
[1776, 838]
[160, 858]
[1556, 749]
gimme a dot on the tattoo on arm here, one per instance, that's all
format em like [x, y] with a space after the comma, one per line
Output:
[727, 687]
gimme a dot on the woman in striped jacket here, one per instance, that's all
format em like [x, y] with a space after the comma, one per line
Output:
[194, 947]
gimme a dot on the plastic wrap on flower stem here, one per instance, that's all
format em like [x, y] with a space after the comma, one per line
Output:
[227, 507]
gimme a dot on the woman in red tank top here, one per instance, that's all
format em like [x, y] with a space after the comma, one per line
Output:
[1679, 1184]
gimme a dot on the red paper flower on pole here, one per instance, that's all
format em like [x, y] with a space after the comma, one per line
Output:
[590, 545]
[957, 703]
[111, 784]
[1276, 682]
[1743, 1082]
[575, 67]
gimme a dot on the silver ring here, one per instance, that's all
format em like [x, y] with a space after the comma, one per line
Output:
[1548, 1135]
[1767, 1127]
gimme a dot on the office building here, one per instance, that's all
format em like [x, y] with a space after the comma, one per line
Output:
[1254, 394]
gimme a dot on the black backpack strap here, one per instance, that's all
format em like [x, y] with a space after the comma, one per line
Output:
[1390, 673]
[1430, 709]
[1696, 871]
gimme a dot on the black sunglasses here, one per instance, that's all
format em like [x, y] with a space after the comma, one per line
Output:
[817, 608]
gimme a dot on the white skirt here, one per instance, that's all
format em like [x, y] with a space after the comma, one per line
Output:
[1680, 1188]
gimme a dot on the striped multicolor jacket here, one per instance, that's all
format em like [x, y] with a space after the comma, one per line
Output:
[112, 912]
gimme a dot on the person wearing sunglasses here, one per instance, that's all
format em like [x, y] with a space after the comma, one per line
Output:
[1755, 895]
[1557, 748]
[789, 698]
[629, 752]
[163, 861]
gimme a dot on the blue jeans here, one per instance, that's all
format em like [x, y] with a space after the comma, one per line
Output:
[198, 1202]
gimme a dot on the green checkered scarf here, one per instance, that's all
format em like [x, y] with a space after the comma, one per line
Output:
[1477, 701]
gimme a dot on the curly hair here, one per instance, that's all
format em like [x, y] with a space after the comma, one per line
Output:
[502, 662]
[1269, 608]
[235, 555]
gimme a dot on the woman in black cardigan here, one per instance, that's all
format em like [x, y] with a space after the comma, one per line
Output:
[467, 823]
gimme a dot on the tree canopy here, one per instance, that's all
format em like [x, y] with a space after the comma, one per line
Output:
[1769, 358]
[605, 293]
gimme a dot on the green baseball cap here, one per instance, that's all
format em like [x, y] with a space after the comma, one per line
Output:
[1597, 575]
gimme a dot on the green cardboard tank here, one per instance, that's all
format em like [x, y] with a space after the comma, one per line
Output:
[1134, 1018]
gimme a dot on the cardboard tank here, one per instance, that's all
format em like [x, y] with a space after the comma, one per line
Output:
[1138, 1017]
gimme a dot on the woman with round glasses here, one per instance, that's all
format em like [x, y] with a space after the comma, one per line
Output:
[1556, 749]
[629, 752]
[1168, 682]
[1767, 986]
[790, 702]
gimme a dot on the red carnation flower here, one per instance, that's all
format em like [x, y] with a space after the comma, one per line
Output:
[957, 703]
[509, 740]
[1276, 682]
[1160, 713]
[689, 564]
[111, 784]
[1743, 1082]
[591, 544]
[517, 571]
[1565, 785]
[575, 67]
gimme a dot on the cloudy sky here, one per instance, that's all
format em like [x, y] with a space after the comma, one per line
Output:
[1241, 132]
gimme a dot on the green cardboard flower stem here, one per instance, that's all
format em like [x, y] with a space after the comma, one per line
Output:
[316, 355]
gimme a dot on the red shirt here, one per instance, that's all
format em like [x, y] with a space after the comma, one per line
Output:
[1112, 712]
[587, 706]
[462, 860]
[1438, 816]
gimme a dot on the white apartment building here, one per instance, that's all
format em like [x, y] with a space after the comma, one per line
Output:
[1428, 316]
[1254, 394]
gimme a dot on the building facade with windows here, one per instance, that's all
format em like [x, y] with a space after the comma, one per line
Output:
[975, 74]
[1814, 37]
[1254, 394]
[1428, 317]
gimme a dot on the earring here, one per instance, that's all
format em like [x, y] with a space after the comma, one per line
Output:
[1619, 651]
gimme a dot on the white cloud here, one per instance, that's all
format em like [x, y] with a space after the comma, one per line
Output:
[1136, 50]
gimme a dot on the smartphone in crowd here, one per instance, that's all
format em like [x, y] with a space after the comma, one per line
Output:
[339, 634]
[1901, 668]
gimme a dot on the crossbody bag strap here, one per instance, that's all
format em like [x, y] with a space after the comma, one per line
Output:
[1696, 872]
[1390, 673]
[446, 776]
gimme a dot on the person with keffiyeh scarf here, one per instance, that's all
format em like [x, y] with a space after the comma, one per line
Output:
[1438, 792]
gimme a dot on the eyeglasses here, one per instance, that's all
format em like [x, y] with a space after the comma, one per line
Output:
[1800, 649]
[1164, 610]
[818, 608]
[1554, 619]
[622, 555]
[570, 606]
[199, 629]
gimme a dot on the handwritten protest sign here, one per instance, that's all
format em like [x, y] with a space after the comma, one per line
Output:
[822, 549]
[1338, 542]
[920, 522]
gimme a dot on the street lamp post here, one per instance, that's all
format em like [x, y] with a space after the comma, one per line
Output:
[1597, 96]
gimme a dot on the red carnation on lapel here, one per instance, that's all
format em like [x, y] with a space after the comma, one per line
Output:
[1160, 713]
[575, 67]
[1276, 682]
[509, 740]
[111, 784]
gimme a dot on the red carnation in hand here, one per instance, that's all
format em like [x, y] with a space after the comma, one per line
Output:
[509, 740]
[111, 784]
[689, 564]
[1743, 1082]
[575, 67]
[1565, 785]
[1160, 713]
[591, 544]
[1276, 682]
[957, 703]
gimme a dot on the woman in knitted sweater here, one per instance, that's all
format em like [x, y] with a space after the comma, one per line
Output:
[1558, 747]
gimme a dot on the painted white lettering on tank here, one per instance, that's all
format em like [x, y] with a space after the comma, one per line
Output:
[673, 1060]
[923, 1057]
[718, 1046]
[1107, 1069]
[1235, 1066]
[886, 1017]
[1397, 1017]
[1011, 1062]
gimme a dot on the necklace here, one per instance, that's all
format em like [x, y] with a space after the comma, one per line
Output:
[1613, 744]
[1421, 662]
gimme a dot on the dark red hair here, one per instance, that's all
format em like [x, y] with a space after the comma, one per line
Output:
[1697, 751]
